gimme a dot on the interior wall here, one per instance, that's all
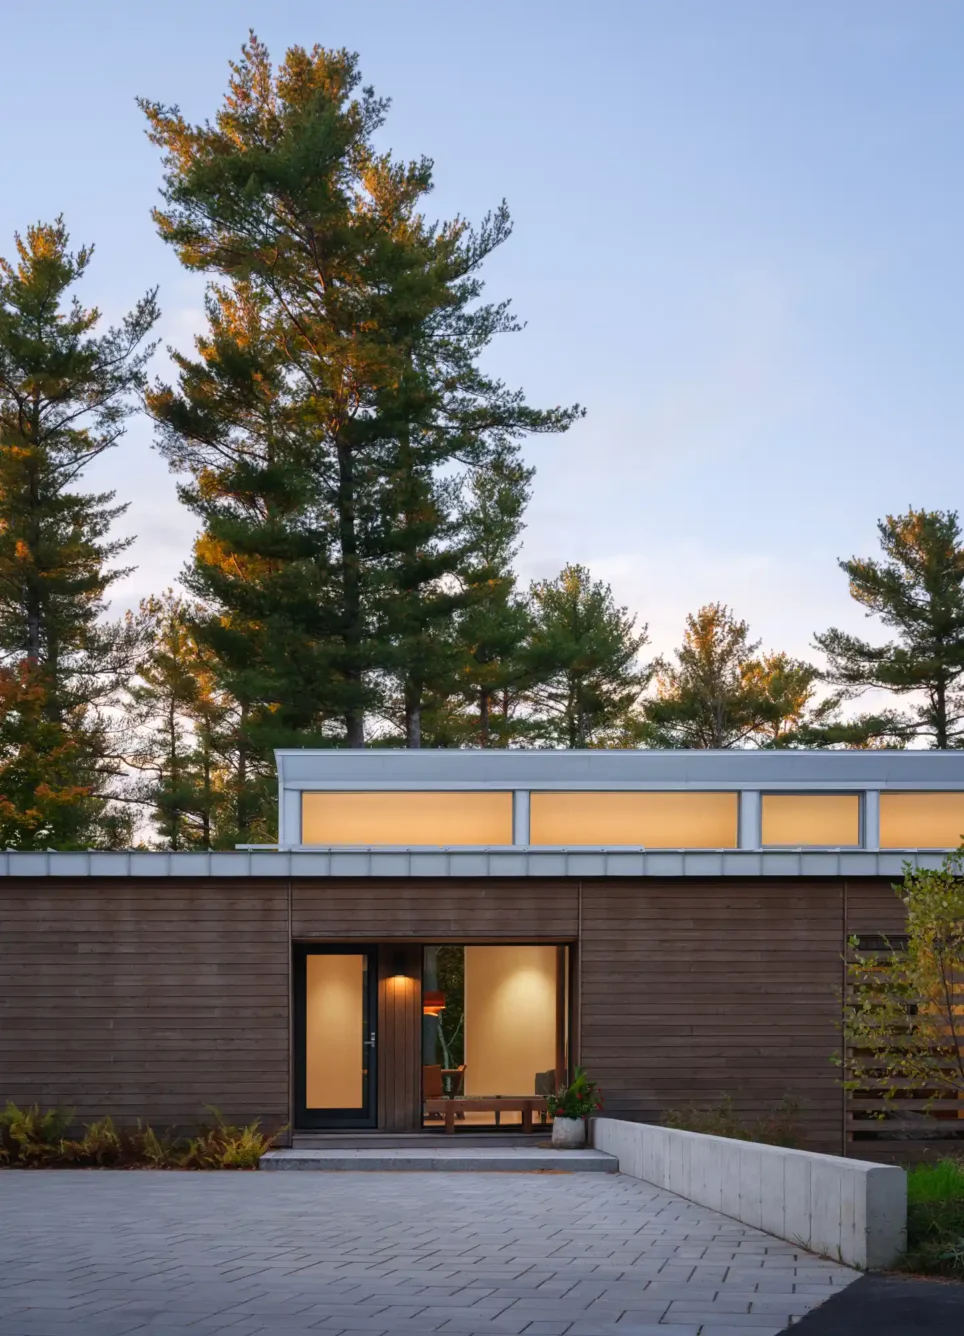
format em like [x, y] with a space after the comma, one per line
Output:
[416, 818]
[811, 818]
[510, 1018]
[335, 995]
[921, 820]
[672, 820]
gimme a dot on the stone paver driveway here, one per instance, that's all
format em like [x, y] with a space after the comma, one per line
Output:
[174, 1254]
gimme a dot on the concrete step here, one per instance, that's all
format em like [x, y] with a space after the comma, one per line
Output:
[412, 1140]
[457, 1159]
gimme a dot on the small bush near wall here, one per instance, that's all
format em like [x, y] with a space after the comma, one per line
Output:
[35, 1138]
[780, 1127]
[935, 1219]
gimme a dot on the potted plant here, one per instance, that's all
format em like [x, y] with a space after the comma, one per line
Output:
[569, 1108]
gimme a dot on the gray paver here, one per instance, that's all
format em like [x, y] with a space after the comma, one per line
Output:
[464, 1254]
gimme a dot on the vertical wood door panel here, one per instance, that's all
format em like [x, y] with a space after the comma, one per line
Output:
[399, 1038]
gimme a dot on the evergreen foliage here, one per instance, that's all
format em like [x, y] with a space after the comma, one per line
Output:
[332, 547]
[917, 590]
[65, 394]
[582, 663]
[721, 692]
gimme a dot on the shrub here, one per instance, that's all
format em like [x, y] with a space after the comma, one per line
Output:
[160, 1151]
[224, 1146]
[780, 1127]
[101, 1144]
[31, 1136]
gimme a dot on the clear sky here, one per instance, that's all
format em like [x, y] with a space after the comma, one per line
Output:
[738, 242]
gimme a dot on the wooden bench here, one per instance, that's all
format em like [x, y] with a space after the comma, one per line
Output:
[497, 1104]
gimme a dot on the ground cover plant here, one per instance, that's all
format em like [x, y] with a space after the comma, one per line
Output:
[35, 1138]
[935, 1219]
[780, 1127]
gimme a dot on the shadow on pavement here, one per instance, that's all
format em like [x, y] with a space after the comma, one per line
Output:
[888, 1306]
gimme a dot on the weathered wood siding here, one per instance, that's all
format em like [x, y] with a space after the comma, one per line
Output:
[873, 907]
[150, 999]
[146, 999]
[435, 910]
[694, 990]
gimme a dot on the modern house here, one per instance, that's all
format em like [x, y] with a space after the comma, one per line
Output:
[440, 936]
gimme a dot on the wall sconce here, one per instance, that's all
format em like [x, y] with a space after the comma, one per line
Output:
[399, 962]
[432, 1003]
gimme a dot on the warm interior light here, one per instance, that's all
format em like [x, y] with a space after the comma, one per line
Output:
[433, 1002]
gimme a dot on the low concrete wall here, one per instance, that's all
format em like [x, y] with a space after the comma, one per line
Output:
[848, 1210]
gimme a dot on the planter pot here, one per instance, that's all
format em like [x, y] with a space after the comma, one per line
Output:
[569, 1133]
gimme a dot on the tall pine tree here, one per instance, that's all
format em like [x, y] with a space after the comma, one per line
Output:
[65, 393]
[371, 330]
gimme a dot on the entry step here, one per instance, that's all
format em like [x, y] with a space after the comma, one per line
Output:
[458, 1159]
[427, 1140]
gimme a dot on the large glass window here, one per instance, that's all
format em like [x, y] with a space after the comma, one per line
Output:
[811, 818]
[494, 1032]
[921, 820]
[406, 818]
[651, 820]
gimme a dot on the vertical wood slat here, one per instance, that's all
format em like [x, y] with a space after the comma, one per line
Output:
[399, 1037]
[560, 1077]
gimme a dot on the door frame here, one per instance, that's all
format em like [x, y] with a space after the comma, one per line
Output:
[333, 1119]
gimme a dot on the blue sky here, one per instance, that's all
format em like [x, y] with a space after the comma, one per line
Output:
[738, 242]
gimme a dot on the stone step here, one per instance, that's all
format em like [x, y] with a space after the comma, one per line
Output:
[457, 1159]
[412, 1140]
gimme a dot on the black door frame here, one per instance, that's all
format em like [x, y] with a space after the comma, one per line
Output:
[306, 1119]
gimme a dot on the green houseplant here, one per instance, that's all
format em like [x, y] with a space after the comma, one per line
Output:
[569, 1108]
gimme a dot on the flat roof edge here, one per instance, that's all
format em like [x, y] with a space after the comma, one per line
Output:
[506, 862]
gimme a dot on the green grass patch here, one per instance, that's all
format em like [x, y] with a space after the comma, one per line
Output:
[935, 1219]
[942, 1181]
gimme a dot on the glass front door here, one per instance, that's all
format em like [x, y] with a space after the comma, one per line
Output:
[335, 1037]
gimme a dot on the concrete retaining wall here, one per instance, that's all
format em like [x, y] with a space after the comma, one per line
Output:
[848, 1210]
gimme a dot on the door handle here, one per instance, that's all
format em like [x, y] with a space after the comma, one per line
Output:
[370, 1041]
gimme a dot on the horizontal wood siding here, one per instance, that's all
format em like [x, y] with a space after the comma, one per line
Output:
[696, 990]
[146, 999]
[435, 910]
[874, 907]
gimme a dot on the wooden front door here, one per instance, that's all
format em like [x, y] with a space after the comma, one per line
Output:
[336, 1036]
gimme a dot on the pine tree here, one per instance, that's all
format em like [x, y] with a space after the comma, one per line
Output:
[582, 662]
[65, 393]
[190, 737]
[495, 625]
[719, 693]
[917, 590]
[372, 331]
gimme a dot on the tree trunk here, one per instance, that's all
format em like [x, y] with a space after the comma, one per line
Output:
[940, 711]
[413, 716]
[351, 593]
[484, 716]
